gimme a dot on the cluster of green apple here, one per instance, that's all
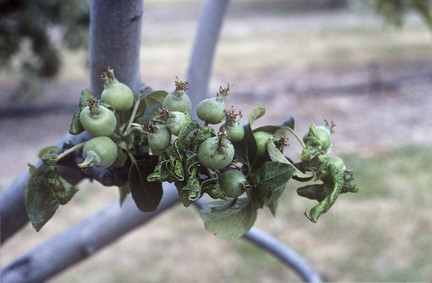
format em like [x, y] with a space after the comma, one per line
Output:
[245, 168]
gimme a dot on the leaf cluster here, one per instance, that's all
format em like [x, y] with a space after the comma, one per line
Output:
[179, 163]
[46, 189]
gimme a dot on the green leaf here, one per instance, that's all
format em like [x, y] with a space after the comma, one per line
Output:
[193, 134]
[290, 122]
[66, 191]
[315, 191]
[256, 113]
[334, 182]
[124, 191]
[274, 201]
[146, 195]
[145, 101]
[276, 155]
[134, 140]
[212, 186]
[245, 150]
[76, 126]
[270, 177]
[151, 98]
[193, 189]
[47, 150]
[229, 223]
[245, 147]
[276, 131]
[183, 194]
[40, 201]
[149, 113]
[86, 94]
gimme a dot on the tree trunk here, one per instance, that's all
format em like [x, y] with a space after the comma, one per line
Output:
[115, 40]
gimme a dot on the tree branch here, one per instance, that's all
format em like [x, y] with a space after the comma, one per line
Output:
[12, 201]
[200, 64]
[83, 240]
[272, 245]
[115, 37]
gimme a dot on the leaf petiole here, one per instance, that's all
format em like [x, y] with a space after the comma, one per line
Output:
[297, 137]
[132, 117]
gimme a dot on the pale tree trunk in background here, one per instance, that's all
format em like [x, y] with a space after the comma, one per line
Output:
[115, 36]
[211, 20]
[115, 33]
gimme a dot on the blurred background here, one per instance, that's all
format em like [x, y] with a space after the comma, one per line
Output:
[368, 69]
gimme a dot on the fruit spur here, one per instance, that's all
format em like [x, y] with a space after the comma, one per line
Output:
[154, 137]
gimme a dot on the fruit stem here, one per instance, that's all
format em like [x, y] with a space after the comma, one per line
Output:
[132, 117]
[75, 147]
[297, 137]
[87, 162]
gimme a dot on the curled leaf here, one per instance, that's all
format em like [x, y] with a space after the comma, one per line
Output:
[270, 177]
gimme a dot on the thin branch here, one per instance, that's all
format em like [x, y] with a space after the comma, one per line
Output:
[115, 37]
[201, 61]
[83, 240]
[12, 203]
[272, 245]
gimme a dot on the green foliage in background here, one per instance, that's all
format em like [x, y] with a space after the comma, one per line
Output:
[394, 11]
[36, 30]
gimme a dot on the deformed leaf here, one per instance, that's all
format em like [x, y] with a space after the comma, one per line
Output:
[334, 182]
[270, 177]
[149, 113]
[48, 150]
[40, 201]
[256, 113]
[276, 155]
[315, 191]
[193, 189]
[146, 195]
[229, 223]
[183, 194]
[66, 192]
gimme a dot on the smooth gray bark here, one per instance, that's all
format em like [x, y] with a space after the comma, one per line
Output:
[82, 240]
[115, 41]
[12, 201]
[201, 61]
[115, 38]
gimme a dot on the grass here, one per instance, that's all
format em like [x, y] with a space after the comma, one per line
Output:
[381, 233]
